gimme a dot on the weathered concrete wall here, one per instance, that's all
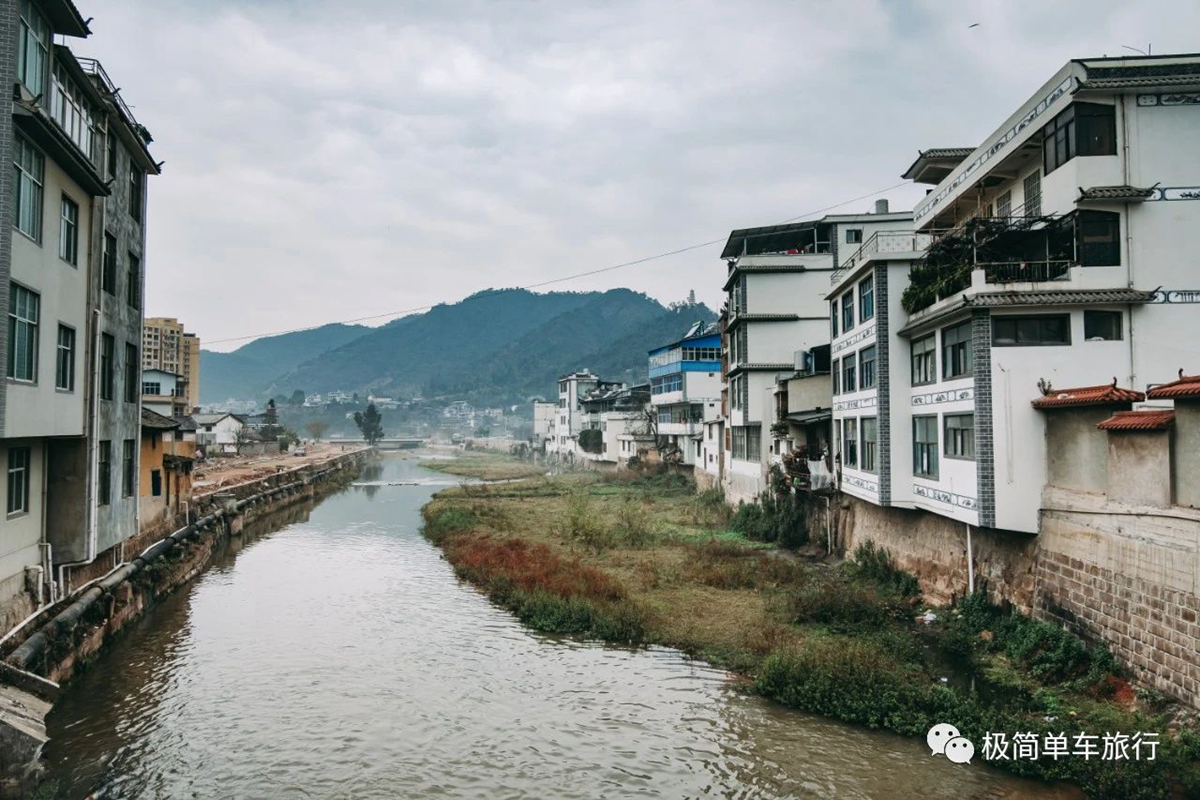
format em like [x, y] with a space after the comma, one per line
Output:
[1077, 453]
[934, 549]
[1139, 468]
[1185, 450]
[704, 480]
[1127, 576]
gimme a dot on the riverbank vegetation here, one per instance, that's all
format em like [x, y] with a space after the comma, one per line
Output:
[632, 557]
[484, 466]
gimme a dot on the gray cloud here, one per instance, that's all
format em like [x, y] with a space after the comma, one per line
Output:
[336, 159]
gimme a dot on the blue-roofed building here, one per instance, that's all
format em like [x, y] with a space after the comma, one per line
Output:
[685, 390]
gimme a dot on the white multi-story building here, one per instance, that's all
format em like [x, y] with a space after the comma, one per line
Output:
[777, 281]
[1046, 259]
[571, 417]
[685, 391]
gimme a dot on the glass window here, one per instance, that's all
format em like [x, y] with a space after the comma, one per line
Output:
[747, 442]
[104, 474]
[866, 299]
[156, 482]
[24, 309]
[850, 442]
[1058, 140]
[107, 354]
[1099, 238]
[849, 384]
[847, 311]
[925, 447]
[866, 368]
[1083, 129]
[1028, 331]
[1033, 194]
[132, 373]
[1101, 326]
[135, 191]
[18, 479]
[29, 174]
[870, 443]
[833, 319]
[128, 466]
[133, 281]
[956, 351]
[33, 47]
[924, 360]
[854, 235]
[64, 372]
[837, 376]
[151, 387]
[108, 276]
[1004, 204]
[960, 436]
[71, 110]
[68, 232]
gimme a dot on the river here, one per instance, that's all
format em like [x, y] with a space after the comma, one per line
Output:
[339, 656]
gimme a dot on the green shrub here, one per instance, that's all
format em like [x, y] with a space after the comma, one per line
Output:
[845, 605]
[876, 564]
[447, 520]
[632, 527]
[581, 525]
[773, 518]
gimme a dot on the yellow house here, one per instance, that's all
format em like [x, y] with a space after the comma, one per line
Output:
[165, 482]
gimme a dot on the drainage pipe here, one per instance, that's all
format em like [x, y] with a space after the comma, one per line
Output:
[970, 562]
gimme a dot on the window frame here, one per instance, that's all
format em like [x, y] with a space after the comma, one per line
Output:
[833, 318]
[133, 372]
[925, 447]
[128, 467]
[962, 438]
[866, 299]
[952, 351]
[863, 361]
[928, 359]
[849, 374]
[108, 348]
[104, 472]
[29, 321]
[850, 442]
[868, 447]
[15, 472]
[835, 369]
[108, 269]
[133, 280]
[137, 181]
[1111, 316]
[29, 18]
[847, 302]
[998, 341]
[64, 359]
[29, 189]
[68, 231]
[854, 235]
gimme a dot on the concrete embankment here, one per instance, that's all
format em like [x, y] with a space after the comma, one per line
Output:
[51, 647]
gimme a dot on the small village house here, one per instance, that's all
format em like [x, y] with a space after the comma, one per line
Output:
[165, 477]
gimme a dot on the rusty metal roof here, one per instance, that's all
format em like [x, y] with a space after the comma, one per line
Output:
[1148, 420]
[1104, 394]
[1186, 386]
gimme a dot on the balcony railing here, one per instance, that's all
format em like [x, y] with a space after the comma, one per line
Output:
[1026, 271]
[93, 67]
[881, 242]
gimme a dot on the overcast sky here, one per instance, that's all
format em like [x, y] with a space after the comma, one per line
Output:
[329, 159]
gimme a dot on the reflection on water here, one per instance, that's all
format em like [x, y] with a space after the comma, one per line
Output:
[339, 656]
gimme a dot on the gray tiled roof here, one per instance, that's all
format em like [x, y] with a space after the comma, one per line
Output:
[1125, 192]
[1064, 297]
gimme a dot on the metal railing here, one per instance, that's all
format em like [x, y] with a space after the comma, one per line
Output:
[881, 242]
[94, 67]
[1026, 271]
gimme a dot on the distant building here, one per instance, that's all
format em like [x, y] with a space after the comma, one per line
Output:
[220, 430]
[685, 391]
[167, 346]
[164, 393]
[165, 479]
[571, 418]
[543, 422]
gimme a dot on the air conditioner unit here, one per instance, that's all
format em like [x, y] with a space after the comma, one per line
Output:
[804, 361]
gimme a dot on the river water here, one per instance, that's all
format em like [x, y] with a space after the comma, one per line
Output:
[338, 656]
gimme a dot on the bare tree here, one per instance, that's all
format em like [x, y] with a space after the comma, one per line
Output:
[316, 429]
[242, 436]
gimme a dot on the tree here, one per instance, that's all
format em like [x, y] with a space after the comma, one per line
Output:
[316, 429]
[297, 398]
[242, 436]
[370, 423]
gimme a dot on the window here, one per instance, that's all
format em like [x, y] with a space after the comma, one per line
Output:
[960, 436]
[107, 345]
[133, 284]
[156, 482]
[108, 273]
[29, 174]
[747, 441]
[925, 447]
[1033, 194]
[870, 443]
[1083, 129]
[834, 368]
[924, 360]
[866, 368]
[128, 463]
[866, 299]
[1004, 204]
[848, 382]
[68, 232]
[18, 479]
[135, 191]
[71, 110]
[847, 311]
[1101, 326]
[151, 387]
[64, 371]
[1048, 329]
[833, 319]
[104, 474]
[853, 235]
[850, 442]
[111, 156]
[23, 311]
[33, 47]
[132, 373]
[1099, 238]
[956, 351]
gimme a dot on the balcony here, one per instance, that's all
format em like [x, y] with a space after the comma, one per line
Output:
[881, 242]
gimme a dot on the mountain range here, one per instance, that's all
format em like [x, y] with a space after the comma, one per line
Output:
[495, 347]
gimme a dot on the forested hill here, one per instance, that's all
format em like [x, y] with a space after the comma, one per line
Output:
[493, 348]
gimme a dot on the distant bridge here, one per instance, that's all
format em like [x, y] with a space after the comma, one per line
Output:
[387, 443]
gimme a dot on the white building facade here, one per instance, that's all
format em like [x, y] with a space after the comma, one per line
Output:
[685, 391]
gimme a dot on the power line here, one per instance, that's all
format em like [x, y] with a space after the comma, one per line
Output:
[552, 281]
